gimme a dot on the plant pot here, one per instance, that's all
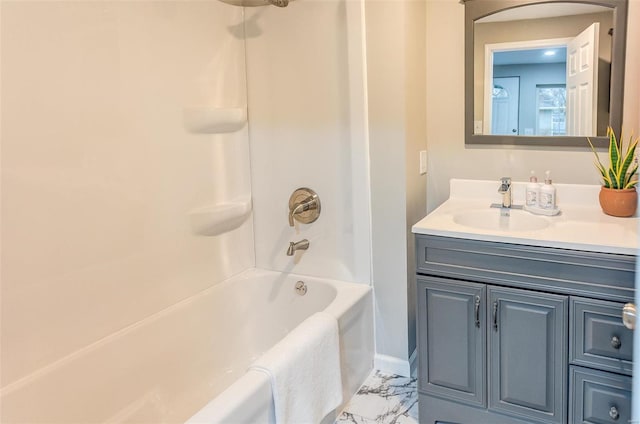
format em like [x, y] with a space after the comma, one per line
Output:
[620, 203]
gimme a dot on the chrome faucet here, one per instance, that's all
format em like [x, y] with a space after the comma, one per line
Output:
[300, 245]
[505, 190]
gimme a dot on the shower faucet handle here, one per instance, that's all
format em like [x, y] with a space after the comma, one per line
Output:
[304, 206]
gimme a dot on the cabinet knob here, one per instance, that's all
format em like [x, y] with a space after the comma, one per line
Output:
[629, 316]
[613, 413]
[616, 342]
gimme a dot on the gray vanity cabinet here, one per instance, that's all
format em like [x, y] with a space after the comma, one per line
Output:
[515, 334]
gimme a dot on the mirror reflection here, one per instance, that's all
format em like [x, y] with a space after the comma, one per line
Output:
[543, 70]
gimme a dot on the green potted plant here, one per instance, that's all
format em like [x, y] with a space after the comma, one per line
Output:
[618, 195]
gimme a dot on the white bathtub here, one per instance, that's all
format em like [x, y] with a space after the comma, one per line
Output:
[193, 356]
[261, 307]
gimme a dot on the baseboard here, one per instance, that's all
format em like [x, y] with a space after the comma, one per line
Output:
[392, 365]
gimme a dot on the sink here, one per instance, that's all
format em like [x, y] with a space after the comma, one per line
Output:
[490, 219]
[580, 226]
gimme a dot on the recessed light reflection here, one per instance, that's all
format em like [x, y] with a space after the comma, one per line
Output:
[549, 52]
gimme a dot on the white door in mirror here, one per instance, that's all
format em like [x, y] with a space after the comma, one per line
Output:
[582, 82]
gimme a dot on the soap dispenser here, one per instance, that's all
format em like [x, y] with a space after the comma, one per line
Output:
[533, 190]
[547, 193]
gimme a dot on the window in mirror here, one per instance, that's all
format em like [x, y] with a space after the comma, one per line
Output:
[551, 110]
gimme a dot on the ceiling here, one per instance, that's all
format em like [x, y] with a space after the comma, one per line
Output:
[529, 56]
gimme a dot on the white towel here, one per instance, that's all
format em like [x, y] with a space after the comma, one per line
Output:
[304, 369]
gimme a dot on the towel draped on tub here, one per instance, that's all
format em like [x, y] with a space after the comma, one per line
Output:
[304, 370]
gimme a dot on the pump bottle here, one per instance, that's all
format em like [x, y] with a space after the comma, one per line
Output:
[547, 193]
[533, 190]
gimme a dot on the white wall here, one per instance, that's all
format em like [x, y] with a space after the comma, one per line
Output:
[415, 120]
[448, 155]
[98, 179]
[306, 109]
[396, 104]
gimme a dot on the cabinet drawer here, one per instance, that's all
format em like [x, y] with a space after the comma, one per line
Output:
[599, 397]
[597, 336]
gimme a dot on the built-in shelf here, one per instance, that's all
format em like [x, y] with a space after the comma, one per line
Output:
[220, 218]
[214, 120]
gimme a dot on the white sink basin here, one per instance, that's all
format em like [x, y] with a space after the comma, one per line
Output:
[490, 219]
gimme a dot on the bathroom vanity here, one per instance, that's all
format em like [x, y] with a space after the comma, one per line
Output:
[519, 316]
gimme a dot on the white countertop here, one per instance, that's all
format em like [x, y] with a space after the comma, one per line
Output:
[581, 225]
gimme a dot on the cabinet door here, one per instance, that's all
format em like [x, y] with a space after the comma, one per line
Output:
[528, 354]
[452, 339]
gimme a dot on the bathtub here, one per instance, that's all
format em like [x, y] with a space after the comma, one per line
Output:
[272, 309]
[192, 357]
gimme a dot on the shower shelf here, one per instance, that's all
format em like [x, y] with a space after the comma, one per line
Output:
[214, 120]
[220, 218]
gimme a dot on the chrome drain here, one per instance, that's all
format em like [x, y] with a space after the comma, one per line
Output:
[301, 288]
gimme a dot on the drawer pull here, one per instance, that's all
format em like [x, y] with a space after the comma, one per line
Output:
[477, 311]
[615, 342]
[613, 413]
[495, 316]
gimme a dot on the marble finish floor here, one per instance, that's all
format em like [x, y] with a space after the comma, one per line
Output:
[383, 399]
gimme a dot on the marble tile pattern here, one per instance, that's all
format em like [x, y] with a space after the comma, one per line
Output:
[383, 399]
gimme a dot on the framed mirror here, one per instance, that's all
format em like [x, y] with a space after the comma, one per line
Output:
[543, 72]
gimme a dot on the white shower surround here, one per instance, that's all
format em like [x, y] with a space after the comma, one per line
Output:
[307, 127]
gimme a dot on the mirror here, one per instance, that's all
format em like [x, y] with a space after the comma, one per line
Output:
[543, 72]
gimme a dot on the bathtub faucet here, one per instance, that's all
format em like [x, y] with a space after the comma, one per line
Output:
[301, 245]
